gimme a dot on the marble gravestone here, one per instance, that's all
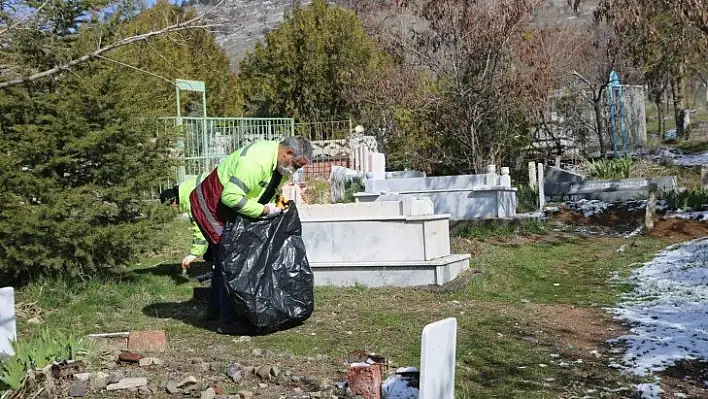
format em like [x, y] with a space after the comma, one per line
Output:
[8, 330]
[437, 360]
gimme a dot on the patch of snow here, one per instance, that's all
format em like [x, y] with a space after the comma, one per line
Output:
[700, 216]
[673, 155]
[649, 390]
[666, 309]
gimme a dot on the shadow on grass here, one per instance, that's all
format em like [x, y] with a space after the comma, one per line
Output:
[174, 272]
[190, 312]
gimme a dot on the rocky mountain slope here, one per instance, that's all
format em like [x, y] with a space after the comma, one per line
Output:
[247, 21]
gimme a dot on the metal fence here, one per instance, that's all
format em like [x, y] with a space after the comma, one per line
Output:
[574, 134]
[331, 146]
[208, 141]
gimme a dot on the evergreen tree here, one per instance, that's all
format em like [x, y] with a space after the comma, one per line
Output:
[80, 151]
[308, 64]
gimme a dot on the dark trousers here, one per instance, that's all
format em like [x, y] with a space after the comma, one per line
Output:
[219, 302]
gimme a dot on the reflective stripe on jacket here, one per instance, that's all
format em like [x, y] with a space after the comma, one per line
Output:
[236, 184]
[199, 243]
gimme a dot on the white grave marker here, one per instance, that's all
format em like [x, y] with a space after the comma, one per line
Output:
[8, 331]
[378, 166]
[532, 175]
[437, 360]
[541, 191]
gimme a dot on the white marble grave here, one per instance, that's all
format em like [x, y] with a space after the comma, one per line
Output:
[437, 360]
[392, 243]
[8, 329]
[463, 197]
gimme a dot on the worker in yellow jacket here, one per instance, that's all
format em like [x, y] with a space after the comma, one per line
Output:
[247, 182]
[179, 196]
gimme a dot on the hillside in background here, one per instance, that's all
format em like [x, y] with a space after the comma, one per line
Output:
[250, 20]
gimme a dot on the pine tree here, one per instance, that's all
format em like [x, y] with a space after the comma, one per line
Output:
[80, 151]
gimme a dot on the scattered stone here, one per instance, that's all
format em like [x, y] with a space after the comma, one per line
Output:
[210, 393]
[531, 339]
[34, 320]
[236, 375]
[204, 367]
[596, 354]
[145, 362]
[316, 394]
[296, 378]
[541, 365]
[115, 377]
[297, 390]
[78, 389]
[274, 371]
[245, 394]
[191, 380]
[243, 339]
[555, 356]
[216, 367]
[127, 383]
[282, 379]
[262, 385]
[82, 377]
[264, 372]
[563, 364]
[172, 387]
[258, 352]
[99, 381]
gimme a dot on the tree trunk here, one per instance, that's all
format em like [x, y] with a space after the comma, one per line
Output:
[660, 116]
[679, 107]
[599, 124]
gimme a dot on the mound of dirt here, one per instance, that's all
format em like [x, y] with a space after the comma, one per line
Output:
[670, 228]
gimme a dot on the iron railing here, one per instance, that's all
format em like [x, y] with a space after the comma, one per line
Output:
[208, 141]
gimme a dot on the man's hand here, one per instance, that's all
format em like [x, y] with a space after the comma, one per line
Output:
[271, 210]
[187, 260]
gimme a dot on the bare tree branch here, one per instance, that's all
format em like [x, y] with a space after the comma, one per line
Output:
[180, 26]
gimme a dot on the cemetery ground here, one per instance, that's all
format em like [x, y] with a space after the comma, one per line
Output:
[530, 317]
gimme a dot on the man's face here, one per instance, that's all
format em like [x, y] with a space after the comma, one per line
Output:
[290, 164]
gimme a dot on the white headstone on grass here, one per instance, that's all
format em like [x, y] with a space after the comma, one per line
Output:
[8, 330]
[541, 189]
[437, 360]
[532, 175]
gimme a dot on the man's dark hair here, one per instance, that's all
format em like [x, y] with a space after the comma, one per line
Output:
[170, 196]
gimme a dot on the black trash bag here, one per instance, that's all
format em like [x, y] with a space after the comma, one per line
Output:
[266, 271]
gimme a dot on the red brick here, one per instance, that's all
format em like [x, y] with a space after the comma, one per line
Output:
[130, 357]
[147, 341]
[365, 381]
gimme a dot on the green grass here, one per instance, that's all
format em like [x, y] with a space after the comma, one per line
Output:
[580, 268]
[495, 359]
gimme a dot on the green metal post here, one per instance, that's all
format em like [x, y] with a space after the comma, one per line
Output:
[180, 142]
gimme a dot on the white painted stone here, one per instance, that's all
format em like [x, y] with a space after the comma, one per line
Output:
[390, 274]
[293, 192]
[8, 327]
[505, 179]
[437, 360]
[413, 206]
[461, 204]
[541, 192]
[533, 180]
[424, 183]
[390, 239]
[490, 178]
[378, 166]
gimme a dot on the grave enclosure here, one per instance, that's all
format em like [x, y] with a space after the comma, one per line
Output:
[464, 197]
